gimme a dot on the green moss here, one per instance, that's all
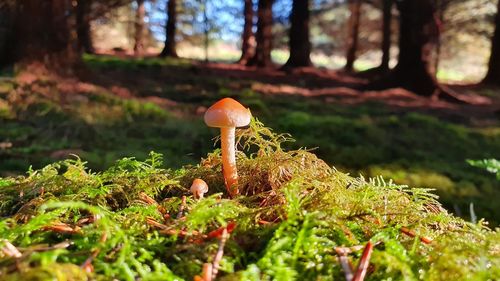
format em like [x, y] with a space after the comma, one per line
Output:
[310, 208]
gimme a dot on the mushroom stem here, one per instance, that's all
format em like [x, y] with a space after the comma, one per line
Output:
[229, 159]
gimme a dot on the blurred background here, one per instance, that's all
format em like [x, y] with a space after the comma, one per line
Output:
[407, 89]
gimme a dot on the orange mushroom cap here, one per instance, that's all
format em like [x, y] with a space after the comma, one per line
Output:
[227, 113]
[199, 187]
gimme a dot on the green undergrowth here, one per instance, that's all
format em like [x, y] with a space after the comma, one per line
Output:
[40, 123]
[126, 223]
[111, 62]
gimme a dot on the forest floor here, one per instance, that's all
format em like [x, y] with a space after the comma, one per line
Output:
[123, 107]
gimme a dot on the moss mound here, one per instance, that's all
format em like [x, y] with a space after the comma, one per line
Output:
[297, 219]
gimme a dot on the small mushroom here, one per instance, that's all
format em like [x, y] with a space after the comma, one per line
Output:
[199, 188]
[227, 114]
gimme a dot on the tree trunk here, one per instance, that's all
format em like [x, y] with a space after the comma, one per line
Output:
[352, 40]
[300, 45]
[83, 9]
[7, 16]
[41, 35]
[169, 50]
[493, 75]
[418, 32]
[206, 30]
[440, 19]
[247, 45]
[262, 57]
[386, 34]
[139, 28]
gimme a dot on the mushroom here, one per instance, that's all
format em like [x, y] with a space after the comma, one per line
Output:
[227, 114]
[199, 188]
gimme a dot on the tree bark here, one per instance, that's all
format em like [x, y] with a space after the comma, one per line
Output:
[418, 32]
[247, 38]
[352, 40]
[139, 28]
[41, 35]
[169, 50]
[493, 74]
[386, 34]
[300, 45]
[262, 57]
[83, 9]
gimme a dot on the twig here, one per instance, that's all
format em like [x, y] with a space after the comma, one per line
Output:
[363, 263]
[220, 253]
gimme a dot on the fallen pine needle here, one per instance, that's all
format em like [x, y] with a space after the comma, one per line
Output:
[152, 222]
[344, 262]
[363, 263]
[220, 253]
[412, 234]
[207, 272]
[61, 228]
[87, 264]
[182, 207]
[348, 250]
[218, 232]
[10, 250]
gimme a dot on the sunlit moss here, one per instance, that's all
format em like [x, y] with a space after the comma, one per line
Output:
[293, 212]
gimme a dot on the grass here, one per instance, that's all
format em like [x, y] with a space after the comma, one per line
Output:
[419, 149]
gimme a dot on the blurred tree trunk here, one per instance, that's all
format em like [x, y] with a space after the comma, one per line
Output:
[247, 45]
[442, 6]
[206, 29]
[139, 28]
[41, 35]
[493, 75]
[300, 45]
[169, 50]
[386, 34]
[262, 57]
[353, 38]
[83, 9]
[7, 15]
[418, 33]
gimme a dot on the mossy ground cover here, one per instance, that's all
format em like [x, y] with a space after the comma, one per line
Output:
[294, 215]
[42, 122]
